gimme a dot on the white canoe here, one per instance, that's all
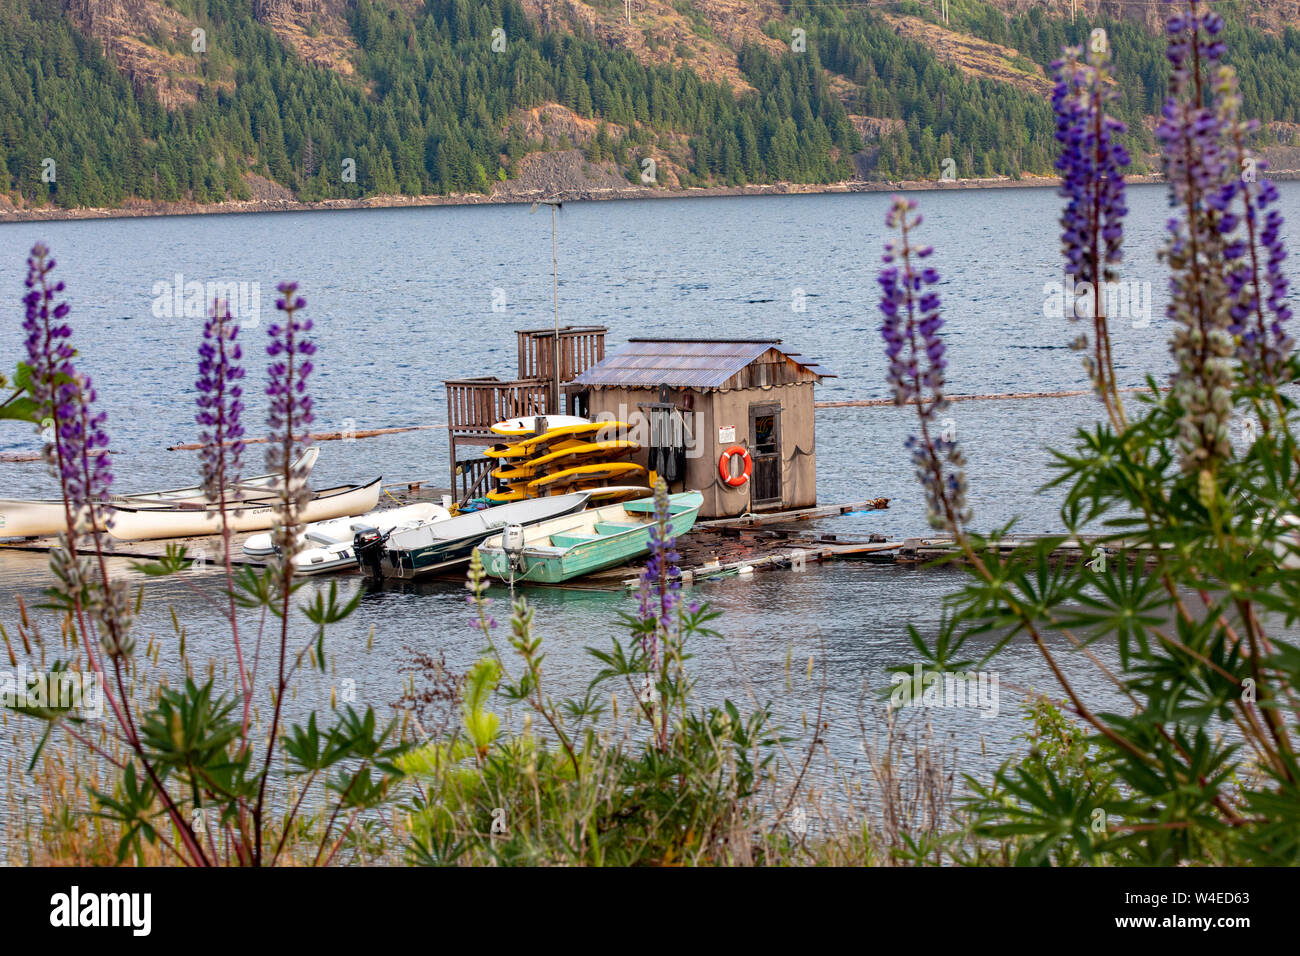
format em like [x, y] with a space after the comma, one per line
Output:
[517, 427]
[185, 521]
[325, 534]
[38, 518]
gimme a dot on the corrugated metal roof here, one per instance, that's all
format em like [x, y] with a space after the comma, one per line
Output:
[679, 363]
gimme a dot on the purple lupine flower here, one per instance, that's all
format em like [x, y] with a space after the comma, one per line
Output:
[1091, 163]
[477, 601]
[661, 581]
[78, 455]
[917, 363]
[220, 402]
[1263, 343]
[87, 469]
[49, 353]
[290, 415]
[1205, 275]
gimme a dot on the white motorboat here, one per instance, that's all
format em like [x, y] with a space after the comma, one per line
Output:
[433, 545]
[327, 545]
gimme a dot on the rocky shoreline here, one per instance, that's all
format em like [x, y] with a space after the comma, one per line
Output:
[504, 194]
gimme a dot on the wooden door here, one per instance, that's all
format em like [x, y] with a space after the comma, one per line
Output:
[765, 450]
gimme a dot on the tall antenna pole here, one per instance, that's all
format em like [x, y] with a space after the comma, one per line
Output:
[555, 287]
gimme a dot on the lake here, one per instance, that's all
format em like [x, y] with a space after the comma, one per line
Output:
[403, 299]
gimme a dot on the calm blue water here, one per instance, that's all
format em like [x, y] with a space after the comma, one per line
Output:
[402, 299]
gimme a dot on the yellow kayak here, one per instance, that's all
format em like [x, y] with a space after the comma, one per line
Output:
[535, 467]
[588, 431]
[512, 453]
[551, 484]
[510, 494]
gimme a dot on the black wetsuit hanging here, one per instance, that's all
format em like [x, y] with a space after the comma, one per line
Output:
[667, 443]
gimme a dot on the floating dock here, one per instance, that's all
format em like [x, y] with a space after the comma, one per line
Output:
[720, 548]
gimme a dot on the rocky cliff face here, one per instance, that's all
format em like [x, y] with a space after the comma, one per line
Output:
[148, 41]
[1267, 14]
[152, 42]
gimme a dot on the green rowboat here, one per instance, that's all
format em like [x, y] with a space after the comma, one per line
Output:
[565, 548]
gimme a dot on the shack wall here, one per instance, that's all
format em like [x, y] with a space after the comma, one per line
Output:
[713, 410]
[797, 448]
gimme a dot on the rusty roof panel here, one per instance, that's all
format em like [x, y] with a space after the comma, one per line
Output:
[681, 363]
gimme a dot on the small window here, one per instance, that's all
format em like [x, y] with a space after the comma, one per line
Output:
[765, 434]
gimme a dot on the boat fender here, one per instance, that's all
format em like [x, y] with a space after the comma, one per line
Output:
[724, 466]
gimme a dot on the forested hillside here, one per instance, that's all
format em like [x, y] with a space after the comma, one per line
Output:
[102, 101]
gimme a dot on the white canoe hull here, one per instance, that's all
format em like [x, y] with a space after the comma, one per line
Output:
[31, 519]
[39, 518]
[139, 524]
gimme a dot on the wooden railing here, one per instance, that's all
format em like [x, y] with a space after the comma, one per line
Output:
[474, 405]
[580, 348]
[473, 478]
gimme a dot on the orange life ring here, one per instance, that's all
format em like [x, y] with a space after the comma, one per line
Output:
[724, 466]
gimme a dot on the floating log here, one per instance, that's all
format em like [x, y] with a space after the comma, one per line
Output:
[996, 396]
[13, 457]
[322, 436]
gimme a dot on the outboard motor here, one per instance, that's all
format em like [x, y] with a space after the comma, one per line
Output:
[368, 546]
[512, 543]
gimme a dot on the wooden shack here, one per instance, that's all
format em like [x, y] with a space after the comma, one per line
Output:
[687, 401]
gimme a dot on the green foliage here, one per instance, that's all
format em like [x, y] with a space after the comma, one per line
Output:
[1194, 577]
[1267, 64]
[1048, 807]
[428, 115]
[670, 782]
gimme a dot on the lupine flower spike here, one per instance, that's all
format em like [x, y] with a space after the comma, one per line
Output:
[78, 454]
[290, 415]
[661, 581]
[917, 363]
[1200, 302]
[1259, 308]
[220, 403]
[1091, 164]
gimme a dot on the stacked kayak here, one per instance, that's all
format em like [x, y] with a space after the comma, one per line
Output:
[568, 455]
[326, 546]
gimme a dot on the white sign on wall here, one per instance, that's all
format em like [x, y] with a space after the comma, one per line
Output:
[726, 434]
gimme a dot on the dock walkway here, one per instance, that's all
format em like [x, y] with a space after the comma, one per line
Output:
[714, 549]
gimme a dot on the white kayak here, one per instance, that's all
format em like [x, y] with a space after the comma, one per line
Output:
[185, 520]
[527, 425]
[44, 517]
[327, 545]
